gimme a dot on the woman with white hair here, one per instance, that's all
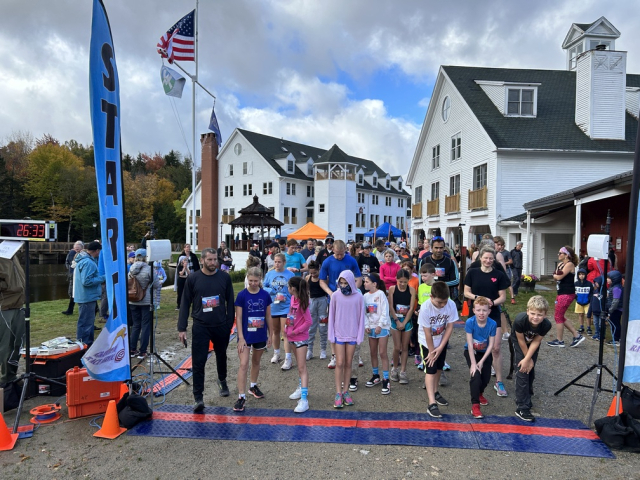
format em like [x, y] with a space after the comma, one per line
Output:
[70, 266]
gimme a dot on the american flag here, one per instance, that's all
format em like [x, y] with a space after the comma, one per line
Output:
[179, 41]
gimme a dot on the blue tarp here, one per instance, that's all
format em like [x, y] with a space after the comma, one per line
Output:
[383, 231]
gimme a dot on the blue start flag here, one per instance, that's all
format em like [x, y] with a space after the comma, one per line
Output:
[213, 126]
[108, 358]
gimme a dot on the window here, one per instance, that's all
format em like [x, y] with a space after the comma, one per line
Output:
[435, 157]
[310, 191]
[375, 182]
[228, 191]
[310, 169]
[454, 185]
[400, 181]
[401, 202]
[350, 228]
[321, 208]
[520, 101]
[388, 184]
[573, 55]
[446, 108]
[373, 219]
[387, 201]
[247, 189]
[290, 166]
[267, 188]
[232, 211]
[360, 197]
[294, 216]
[231, 168]
[291, 188]
[374, 199]
[286, 215]
[594, 43]
[417, 194]
[237, 148]
[456, 147]
[435, 191]
[480, 177]
[225, 212]
[245, 168]
[360, 178]
[288, 188]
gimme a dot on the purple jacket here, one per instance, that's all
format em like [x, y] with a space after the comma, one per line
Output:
[346, 313]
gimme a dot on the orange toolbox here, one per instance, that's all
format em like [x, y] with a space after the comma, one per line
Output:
[86, 396]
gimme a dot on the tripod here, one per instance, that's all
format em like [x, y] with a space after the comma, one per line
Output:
[153, 354]
[598, 367]
[28, 375]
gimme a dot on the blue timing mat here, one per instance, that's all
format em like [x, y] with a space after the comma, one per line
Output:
[555, 436]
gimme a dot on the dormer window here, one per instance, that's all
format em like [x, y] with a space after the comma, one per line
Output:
[521, 101]
[388, 183]
[290, 166]
[375, 182]
[399, 184]
[310, 168]
[360, 178]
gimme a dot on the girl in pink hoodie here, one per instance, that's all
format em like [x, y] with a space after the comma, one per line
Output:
[297, 331]
[345, 331]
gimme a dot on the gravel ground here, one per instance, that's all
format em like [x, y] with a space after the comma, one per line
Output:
[66, 449]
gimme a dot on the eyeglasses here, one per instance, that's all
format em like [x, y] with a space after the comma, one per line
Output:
[561, 253]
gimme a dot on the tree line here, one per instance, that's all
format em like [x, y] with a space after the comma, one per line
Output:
[44, 179]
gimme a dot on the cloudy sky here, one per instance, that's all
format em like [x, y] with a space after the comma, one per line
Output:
[358, 73]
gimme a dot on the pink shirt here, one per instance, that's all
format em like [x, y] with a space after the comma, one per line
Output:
[298, 322]
[388, 273]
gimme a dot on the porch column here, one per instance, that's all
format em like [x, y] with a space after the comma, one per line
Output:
[577, 237]
[529, 245]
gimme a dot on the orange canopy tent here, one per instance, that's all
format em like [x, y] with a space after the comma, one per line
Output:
[310, 230]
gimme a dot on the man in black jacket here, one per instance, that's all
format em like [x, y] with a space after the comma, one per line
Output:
[209, 294]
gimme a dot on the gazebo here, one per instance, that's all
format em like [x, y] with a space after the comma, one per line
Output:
[255, 215]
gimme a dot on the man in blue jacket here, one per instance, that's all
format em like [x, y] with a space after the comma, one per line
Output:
[87, 290]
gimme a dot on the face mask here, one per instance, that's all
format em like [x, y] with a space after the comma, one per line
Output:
[346, 290]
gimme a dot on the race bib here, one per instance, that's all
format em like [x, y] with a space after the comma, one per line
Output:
[324, 319]
[480, 345]
[289, 321]
[279, 298]
[372, 308]
[439, 272]
[254, 323]
[365, 269]
[209, 303]
[402, 310]
[437, 330]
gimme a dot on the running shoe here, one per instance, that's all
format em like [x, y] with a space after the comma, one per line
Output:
[256, 392]
[286, 365]
[297, 394]
[483, 401]
[323, 354]
[224, 389]
[595, 337]
[434, 411]
[375, 380]
[446, 367]
[589, 331]
[525, 414]
[332, 362]
[493, 371]
[402, 378]
[475, 411]
[500, 390]
[394, 375]
[353, 385]
[309, 355]
[581, 329]
[385, 387]
[613, 343]
[556, 343]
[133, 353]
[303, 406]
[347, 400]
[440, 400]
[576, 341]
[276, 357]
[198, 406]
[239, 405]
[360, 362]
[338, 401]
[417, 360]
[444, 380]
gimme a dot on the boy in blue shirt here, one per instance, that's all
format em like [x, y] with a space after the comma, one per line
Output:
[296, 263]
[584, 292]
[481, 336]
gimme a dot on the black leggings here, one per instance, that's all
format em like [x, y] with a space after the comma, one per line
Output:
[481, 379]
[181, 282]
[200, 337]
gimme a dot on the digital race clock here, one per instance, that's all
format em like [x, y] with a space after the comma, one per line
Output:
[29, 230]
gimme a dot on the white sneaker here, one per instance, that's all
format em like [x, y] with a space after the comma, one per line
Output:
[303, 406]
[493, 372]
[309, 354]
[287, 364]
[275, 358]
[446, 367]
[360, 362]
[505, 336]
[323, 354]
[332, 362]
[297, 394]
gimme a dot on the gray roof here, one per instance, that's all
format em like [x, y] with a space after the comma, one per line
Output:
[554, 127]
[271, 149]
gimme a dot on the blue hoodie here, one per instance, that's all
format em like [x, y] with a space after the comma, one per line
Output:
[584, 290]
[614, 293]
[87, 281]
[596, 308]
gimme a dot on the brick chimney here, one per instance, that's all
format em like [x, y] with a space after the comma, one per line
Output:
[208, 231]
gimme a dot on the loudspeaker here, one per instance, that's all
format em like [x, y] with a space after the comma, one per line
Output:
[158, 250]
[598, 246]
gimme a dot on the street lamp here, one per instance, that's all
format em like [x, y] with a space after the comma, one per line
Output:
[221, 225]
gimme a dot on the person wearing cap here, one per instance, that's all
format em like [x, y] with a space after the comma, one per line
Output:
[368, 263]
[131, 259]
[255, 250]
[327, 251]
[69, 265]
[274, 247]
[141, 311]
[87, 290]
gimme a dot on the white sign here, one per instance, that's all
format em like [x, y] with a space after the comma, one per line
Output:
[9, 248]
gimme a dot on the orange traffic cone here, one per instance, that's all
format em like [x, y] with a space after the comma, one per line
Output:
[110, 425]
[465, 309]
[124, 388]
[7, 440]
[612, 408]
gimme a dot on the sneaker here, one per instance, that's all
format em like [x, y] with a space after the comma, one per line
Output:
[525, 414]
[402, 378]
[353, 385]
[309, 355]
[239, 405]
[375, 380]
[493, 371]
[411, 351]
[595, 337]
[275, 358]
[222, 386]
[475, 411]
[303, 406]
[500, 390]
[323, 354]
[177, 309]
[506, 335]
[394, 375]
[198, 407]
[67, 313]
[286, 365]
[360, 362]
[589, 331]
[332, 362]
[444, 380]
[581, 329]
[255, 391]
[297, 394]
[483, 401]
[434, 411]
[141, 355]
[613, 343]
[385, 387]
[446, 367]
[346, 399]
[417, 360]
[440, 400]
[513, 302]
[421, 366]
[576, 341]
[337, 403]
[556, 343]
[133, 353]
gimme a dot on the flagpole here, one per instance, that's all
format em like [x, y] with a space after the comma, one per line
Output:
[194, 79]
